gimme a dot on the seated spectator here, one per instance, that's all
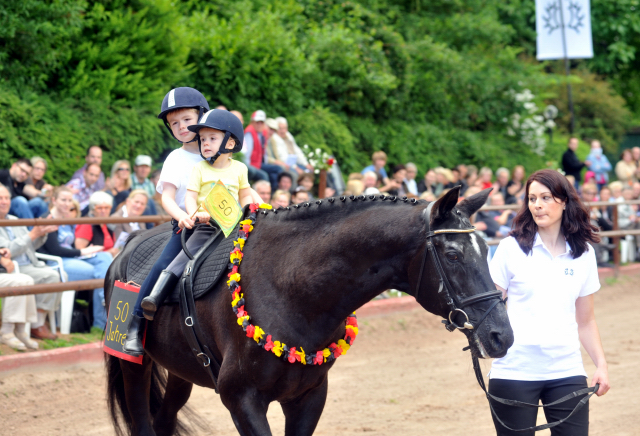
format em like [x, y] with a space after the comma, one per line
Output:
[280, 198]
[157, 197]
[134, 206]
[636, 190]
[14, 179]
[86, 263]
[605, 195]
[285, 182]
[83, 187]
[16, 311]
[501, 185]
[35, 186]
[306, 181]
[354, 187]
[299, 196]
[397, 180]
[616, 191]
[410, 179]
[626, 168]
[357, 176]
[484, 178]
[94, 155]
[516, 185]
[472, 175]
[444, 180]
[263, 188]
[502, 217]
[119, 184]
[21, 245]
[458, 180]
[254, 150]
[283, 151]
[627, 217]
[379, 160]
[427, 195]
[140, 180]
[370, 180]
[597, 218]
[429, 183]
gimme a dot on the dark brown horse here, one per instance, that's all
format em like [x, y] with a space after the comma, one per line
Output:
[304, 271]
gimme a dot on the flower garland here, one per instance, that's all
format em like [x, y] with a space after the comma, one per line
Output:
[290, 354]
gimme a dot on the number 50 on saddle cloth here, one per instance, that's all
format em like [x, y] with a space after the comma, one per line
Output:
[123, 298]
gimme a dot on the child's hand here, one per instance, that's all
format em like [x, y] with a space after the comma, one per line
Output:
[186, 222]
[203, 217]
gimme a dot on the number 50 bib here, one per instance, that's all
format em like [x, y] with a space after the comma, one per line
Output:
[223, 208]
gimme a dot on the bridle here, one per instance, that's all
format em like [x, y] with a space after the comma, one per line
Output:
[454, 304]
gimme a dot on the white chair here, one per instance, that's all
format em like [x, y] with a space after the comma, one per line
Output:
[67, 300]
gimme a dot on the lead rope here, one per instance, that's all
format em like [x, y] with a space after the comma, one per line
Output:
[580, 405]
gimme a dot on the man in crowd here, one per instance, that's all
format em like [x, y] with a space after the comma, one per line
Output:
[263, 188]
[254, 149]
[140, 180]
[83, 187]
[571, 165]
[14, 179]
[410, 179]
[22, 244]
[94, 155]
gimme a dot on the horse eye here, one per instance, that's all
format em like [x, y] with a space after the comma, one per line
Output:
[452, 256]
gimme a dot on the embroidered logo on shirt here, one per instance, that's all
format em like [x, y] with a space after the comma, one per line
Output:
[568, 272]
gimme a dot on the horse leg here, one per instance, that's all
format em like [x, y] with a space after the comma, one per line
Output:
[248, 411]
[137, 383]
[176, 395]
[303, 413]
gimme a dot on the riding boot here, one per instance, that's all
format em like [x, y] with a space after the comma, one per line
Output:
[133, 342]
[164, 286]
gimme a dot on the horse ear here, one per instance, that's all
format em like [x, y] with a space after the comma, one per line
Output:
[470, 205]
[445, 204]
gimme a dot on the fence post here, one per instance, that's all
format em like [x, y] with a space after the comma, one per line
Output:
[616, 243]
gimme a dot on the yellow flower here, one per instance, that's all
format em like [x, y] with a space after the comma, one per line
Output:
[257, 334]
[243, 222]
[235, 300]
[235, 256]
[277, 348]
[301, 353]
[266, 206]
[242, 319]
[235, 277]
[355, 329]
[239, 243]
[326, 353]
[345, 347]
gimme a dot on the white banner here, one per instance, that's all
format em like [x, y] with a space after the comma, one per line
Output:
[572, 15]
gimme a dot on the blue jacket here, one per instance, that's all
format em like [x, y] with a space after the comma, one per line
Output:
[600, 166]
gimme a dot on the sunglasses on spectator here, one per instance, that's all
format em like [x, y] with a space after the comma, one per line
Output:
[124, 169]
[73, 209]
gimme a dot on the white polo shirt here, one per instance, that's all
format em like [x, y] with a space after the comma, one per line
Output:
[542, 294]
[176, 170]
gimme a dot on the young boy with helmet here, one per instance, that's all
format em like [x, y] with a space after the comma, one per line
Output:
[219, 133]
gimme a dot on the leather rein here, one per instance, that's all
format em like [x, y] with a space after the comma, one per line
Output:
[454, 304]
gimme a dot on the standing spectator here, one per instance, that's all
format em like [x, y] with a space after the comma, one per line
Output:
[626, 168]
[599, 164]
[282, 150]
[281, 198]
[134, 207]
[255, 148]
[22, 244]
[571, 165]
[94, 155]
[94, 262]
[429, 183]
[285, 182]
[14, 179]
[83, 187]
[516, 187]
[263, 188]
[410, 178]
[119, 184]
[299, 196]
[501, 185]
[35, 186]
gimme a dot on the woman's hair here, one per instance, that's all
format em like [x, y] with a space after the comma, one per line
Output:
[303, 176]
[281, 192]
[100, 197]
[625, 151]
[378, 155]
[114, 171]
[35, 159]
[138, 192]
[356, 176]
[518, 167]
[59, 190]
[354, 187]
[575, 225]
[77, 210]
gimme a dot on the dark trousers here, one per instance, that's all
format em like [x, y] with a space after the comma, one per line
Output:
[546, 391]
[171, 250]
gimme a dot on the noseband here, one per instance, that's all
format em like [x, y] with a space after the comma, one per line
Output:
[455, 305]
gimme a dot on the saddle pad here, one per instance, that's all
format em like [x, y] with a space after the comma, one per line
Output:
[148, 252]
[213, 267]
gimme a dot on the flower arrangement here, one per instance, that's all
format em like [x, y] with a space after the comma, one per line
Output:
[263, 339]
[319, 159]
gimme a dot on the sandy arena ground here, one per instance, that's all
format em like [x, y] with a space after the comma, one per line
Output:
[406, 375]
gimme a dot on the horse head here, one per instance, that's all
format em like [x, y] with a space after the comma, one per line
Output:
[454, 280]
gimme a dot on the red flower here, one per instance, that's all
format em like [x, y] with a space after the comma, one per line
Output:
[352, 320]
[242, 313]
[246, 228]
[331, 161]
[349, 334]
[254, 206]
[319, 359]
[250, 330]
[269, 345]
[292, 355]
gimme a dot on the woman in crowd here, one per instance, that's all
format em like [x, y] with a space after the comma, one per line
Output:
[515, 187]
[100, 204]
[626, 168]
[282, 150]
[119, 184]
[429, 183]
[280, 198]
[547, 269]
[306, 181]
[79, 264]
[35, 185]
[134, 207]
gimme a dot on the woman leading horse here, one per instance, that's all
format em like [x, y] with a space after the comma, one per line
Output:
[304, 270]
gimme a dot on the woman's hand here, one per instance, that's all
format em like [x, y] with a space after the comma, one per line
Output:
[7, 264]
[91, 249]
[601, 376]
[186, 221]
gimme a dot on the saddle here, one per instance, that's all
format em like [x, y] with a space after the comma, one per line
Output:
[209, 269]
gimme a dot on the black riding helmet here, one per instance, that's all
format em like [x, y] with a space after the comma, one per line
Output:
[224, 121]
[182, 98]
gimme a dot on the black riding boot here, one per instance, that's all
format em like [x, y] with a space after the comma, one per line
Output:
[133, 342]
[164, 286]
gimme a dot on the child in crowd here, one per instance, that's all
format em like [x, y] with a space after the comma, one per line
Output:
[305, 180]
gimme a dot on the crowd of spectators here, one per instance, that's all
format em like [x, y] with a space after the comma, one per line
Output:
[281, 175]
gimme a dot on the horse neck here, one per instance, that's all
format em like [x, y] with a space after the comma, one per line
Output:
[321, 268]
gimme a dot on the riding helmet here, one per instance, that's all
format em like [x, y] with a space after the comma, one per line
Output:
[224, 121]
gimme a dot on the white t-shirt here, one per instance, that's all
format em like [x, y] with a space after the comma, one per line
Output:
[176, 170]
[542, 294]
